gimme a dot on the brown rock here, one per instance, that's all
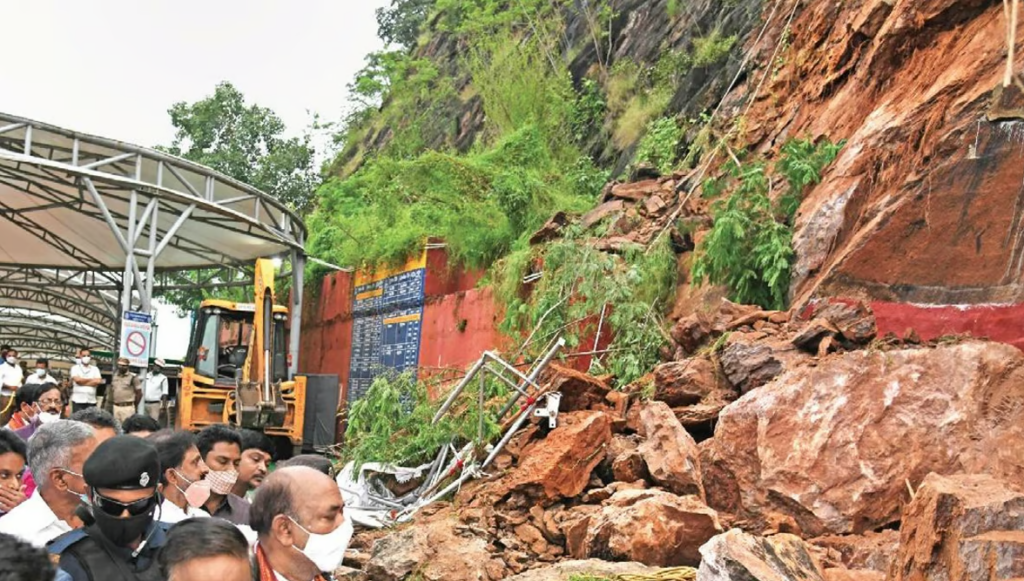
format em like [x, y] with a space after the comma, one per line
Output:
[559, 466]
[964, 527]
[748, 364]
[690, 332]
[574, 525]
[685, 382]
[738, 556]
[579, 390]
[532, 537]
[855, 322]
[551, 229]
[814, 333]
[349, 574]
[833, 446]
[871, 551]
[600, 213]
[635, 191]
[670, 453]
[654, 205]
[700, 414]
[653, 527]
[629, 467]
[434, 550]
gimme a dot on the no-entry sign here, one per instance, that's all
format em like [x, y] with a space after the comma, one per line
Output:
[136, 329]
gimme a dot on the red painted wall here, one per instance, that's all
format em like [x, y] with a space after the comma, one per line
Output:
[1004, 323]
[326, 345]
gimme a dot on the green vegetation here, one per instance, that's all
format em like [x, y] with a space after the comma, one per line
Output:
[660, 145]
[749, 249]
[579, 284]
[245, 142]
[712, 48]
[401, 22]
[392, 423]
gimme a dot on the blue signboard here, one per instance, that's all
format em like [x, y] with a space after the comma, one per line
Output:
[386, 327]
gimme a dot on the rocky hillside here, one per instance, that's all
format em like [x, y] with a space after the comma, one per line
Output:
[824, 160]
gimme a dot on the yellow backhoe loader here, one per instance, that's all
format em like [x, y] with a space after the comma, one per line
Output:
[236, 370]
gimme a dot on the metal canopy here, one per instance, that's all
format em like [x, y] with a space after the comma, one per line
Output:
[90, 227]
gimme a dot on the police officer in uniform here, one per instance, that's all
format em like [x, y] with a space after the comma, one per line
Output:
[124, 393]
[122, 542]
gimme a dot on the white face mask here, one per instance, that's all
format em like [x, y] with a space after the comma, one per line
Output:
[47, 417]
[326, 551]
[12, 360]
[86, 360]
[40, 372]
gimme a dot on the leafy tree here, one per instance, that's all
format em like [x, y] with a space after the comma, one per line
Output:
[401, 23]
[245, 142]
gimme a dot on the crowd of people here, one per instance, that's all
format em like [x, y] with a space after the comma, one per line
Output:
[107, 495]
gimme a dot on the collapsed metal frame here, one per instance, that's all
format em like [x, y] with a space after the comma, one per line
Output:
[450, 462]
[65, 170]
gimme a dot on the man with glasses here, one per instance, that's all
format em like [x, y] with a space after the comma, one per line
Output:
[122, 476]
[56, 454]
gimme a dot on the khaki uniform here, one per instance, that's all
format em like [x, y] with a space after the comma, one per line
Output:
[121, 395]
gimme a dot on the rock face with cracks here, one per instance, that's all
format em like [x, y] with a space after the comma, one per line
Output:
[831, 448]
[962, 528]
[738, 556]
[425, 550]
[650, 526]
[670, 453]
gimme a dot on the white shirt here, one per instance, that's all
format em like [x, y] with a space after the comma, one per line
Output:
[10, 375]
[171, 513]
[33, 522]
[156, 387]
[34, 379]
[84, 393]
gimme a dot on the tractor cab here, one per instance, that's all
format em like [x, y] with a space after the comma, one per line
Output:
[221, 338]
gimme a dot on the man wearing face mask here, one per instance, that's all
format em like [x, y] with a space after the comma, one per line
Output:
[41, 375]
[125, 392]
[184, 488]
[122, 545]
[303, 533]
[11, 378]
[221, 450]
[85, 378]
[56, 454]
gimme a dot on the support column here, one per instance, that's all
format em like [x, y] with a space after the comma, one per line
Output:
[295, 337]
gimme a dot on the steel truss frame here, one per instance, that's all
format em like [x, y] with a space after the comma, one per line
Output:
[96, 177]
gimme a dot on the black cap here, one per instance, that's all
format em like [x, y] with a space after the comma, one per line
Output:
[123, 463]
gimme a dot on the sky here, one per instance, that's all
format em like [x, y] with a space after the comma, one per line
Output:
[113, 67]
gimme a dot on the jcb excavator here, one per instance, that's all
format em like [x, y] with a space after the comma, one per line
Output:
[236, 371]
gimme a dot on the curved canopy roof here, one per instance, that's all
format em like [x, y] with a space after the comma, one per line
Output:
[91, 226]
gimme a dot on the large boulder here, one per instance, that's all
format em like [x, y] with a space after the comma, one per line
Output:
[433, 549]
[962, 528]
[653, 527]
[832, 448]
[738, 556]
[686, 382]
[669, 451]
[559, 465]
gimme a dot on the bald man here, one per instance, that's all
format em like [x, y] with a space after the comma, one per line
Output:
[298, 516]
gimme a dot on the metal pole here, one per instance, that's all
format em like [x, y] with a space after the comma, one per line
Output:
[535, 373]
[458, 388]
[129, 250]
[151, 264]
[483, 388]
[295, 339]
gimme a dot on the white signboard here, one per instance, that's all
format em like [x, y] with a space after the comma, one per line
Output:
[136, 332]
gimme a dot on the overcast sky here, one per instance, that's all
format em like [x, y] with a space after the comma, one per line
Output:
[113, 67]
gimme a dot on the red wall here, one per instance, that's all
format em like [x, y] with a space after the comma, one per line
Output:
[326, 345]
[1004, 323]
